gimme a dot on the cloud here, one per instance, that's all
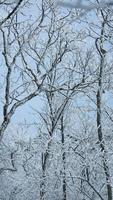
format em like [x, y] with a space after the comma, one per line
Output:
[80, 5]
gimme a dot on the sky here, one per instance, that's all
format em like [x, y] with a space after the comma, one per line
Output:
[26, 113]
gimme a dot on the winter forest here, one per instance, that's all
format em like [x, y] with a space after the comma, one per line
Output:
[56, 100]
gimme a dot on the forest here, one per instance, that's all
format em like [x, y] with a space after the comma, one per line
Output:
[56, 100]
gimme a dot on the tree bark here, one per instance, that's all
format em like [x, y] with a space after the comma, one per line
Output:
[99, 129]
[63, 159]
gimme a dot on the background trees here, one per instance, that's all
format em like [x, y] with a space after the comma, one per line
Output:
[62, 58]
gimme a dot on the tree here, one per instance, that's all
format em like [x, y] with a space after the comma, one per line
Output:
[66, 61]
[102, 54]
[22, 81]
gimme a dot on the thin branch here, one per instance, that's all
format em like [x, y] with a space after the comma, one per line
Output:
[11, 13]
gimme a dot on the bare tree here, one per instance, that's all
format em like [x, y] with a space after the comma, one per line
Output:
[102, 53]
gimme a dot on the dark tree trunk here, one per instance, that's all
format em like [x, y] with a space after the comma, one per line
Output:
[99, 129]
[63, 159]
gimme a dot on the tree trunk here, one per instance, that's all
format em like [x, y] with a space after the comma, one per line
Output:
[99, 129]
[42, 184]
[63, 159]
[43, 180]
